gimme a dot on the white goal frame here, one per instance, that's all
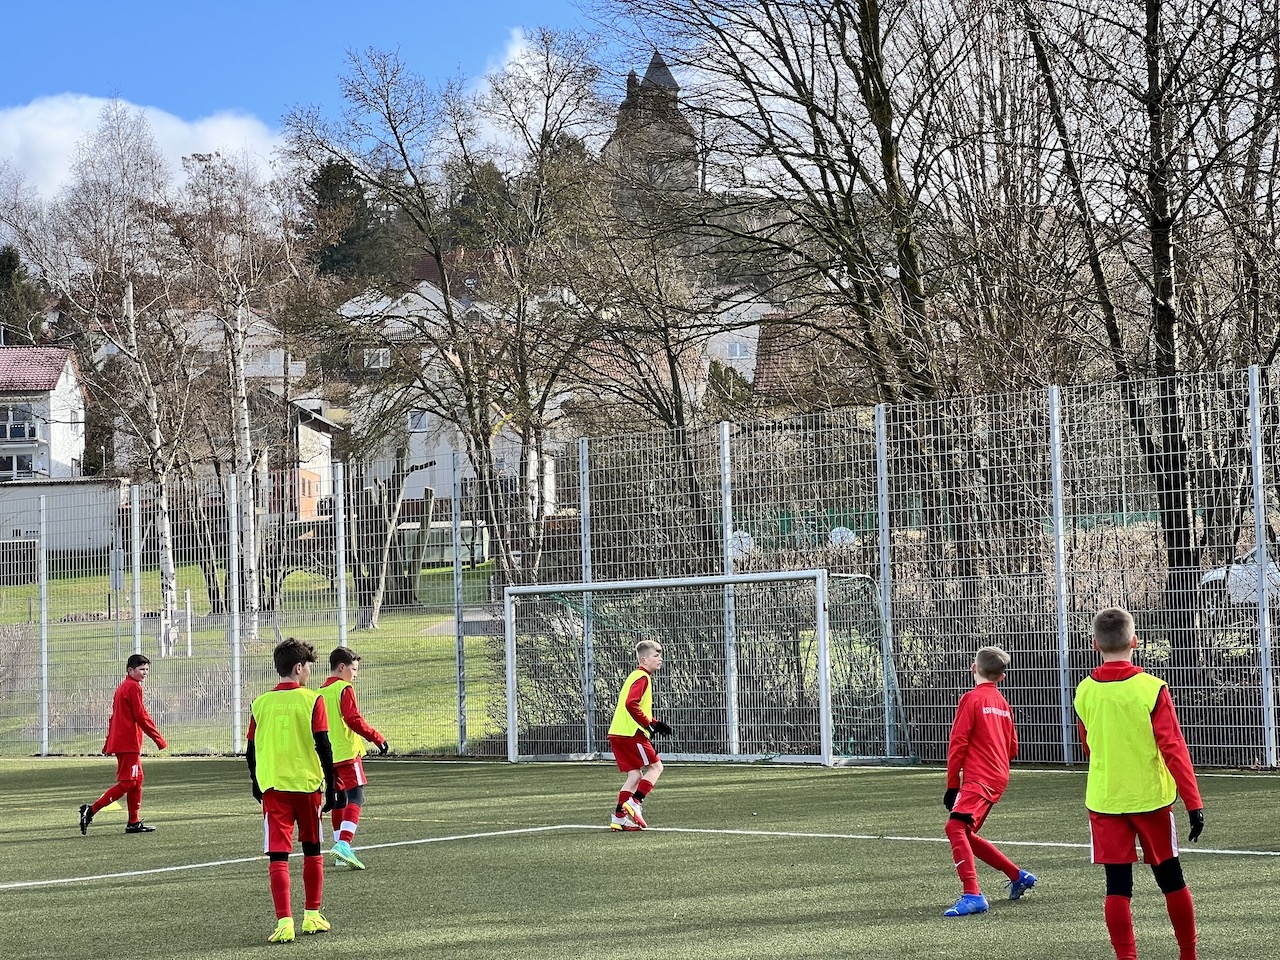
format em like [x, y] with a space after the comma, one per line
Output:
[819, 577]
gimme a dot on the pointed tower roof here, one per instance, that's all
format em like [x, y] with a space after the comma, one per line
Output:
[659, 75]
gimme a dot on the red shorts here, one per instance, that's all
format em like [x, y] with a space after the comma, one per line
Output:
[974, 805]
[634, 752]
[349, 773]
[281, 809]
[1113, 835]
[128, 767]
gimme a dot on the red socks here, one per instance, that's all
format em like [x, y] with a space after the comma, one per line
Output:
[350, 814]
[1119, 916]
[313, 881]
[278, 875]
[990, 854]
[1183, 916]
[312, 884]
[962, 854]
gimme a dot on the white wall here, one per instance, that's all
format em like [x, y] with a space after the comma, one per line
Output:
[80, 515]
[65, 457]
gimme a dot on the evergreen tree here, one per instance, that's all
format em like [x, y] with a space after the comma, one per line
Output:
[21, 300]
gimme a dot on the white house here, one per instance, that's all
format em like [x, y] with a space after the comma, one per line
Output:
[427, 437]
[41, 414]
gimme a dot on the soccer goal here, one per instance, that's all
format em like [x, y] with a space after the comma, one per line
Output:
[752, 668]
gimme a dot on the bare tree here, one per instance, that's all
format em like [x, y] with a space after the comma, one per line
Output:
[488, 348]
[1168, 132]
[242, 247]
[104, 245]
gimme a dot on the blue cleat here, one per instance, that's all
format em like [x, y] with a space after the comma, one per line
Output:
[343, 852]
[1020, 886]
[968, 903]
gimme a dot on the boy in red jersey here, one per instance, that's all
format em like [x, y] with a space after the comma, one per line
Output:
[129, 721]
[983, 741]
[289, 758]
[629, 738]
[350, 730]
[1138, 765]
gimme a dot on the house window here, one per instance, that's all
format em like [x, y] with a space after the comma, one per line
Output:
[419, 421]
[18, 423]
[377, 359]
[737, 351]
[16, 467]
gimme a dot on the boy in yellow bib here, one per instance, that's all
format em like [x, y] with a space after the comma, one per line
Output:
[629, 738]
[1138, 764]
[289, 759]
[349, 732]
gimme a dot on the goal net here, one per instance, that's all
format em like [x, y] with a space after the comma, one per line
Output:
[787, 666]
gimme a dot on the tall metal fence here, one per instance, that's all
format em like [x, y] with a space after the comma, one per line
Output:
[1003, 519]
[80, 590]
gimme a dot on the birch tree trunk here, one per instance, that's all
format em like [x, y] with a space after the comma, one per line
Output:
[245, 476]
[161, 458]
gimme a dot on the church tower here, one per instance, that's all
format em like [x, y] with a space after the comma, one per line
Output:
[653, 146]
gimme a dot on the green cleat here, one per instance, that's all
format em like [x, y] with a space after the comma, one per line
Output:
[342, 850]
[313, 922]
[283, 932]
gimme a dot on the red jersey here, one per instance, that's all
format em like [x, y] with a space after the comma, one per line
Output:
[129, 720]
[983, 741]
[1165, 726]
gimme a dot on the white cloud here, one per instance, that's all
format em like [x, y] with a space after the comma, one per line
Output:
[38, 140]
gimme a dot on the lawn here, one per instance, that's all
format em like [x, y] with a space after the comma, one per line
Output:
[492, 860]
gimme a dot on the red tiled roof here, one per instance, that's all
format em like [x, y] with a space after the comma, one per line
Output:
[28, 369]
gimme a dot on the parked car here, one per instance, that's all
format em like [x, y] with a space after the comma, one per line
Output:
[1238, 582]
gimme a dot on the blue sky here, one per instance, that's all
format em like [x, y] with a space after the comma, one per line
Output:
[222, 74]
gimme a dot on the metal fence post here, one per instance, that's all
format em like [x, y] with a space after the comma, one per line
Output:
[886, 580]
[135, 542]
[459, 612]
[588, 623]
[340, 547]
[1060, 575]
[42, 576]
[1263, 554]
[233, 613]
[509, 618]
[730, 618]
[821, 627]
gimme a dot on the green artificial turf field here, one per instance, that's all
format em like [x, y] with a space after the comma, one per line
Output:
[491, 860]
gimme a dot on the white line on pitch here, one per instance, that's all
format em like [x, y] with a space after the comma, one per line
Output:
[226, 863]
[785, 834]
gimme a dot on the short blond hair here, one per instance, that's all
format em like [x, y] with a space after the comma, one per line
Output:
[991, 662]
[1113, 630]
[646, 647]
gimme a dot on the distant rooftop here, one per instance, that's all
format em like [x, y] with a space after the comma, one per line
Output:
[30, 369]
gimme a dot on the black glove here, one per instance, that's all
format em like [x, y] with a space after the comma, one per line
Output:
[333, 798]
[257, 791]
[1197, 824]
[657, 726]
[383, 747]
[949, 798]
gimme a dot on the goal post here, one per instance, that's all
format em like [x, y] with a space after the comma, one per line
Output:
[748, 672]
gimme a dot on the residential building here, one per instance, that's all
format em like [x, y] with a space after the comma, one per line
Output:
[42, 406]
